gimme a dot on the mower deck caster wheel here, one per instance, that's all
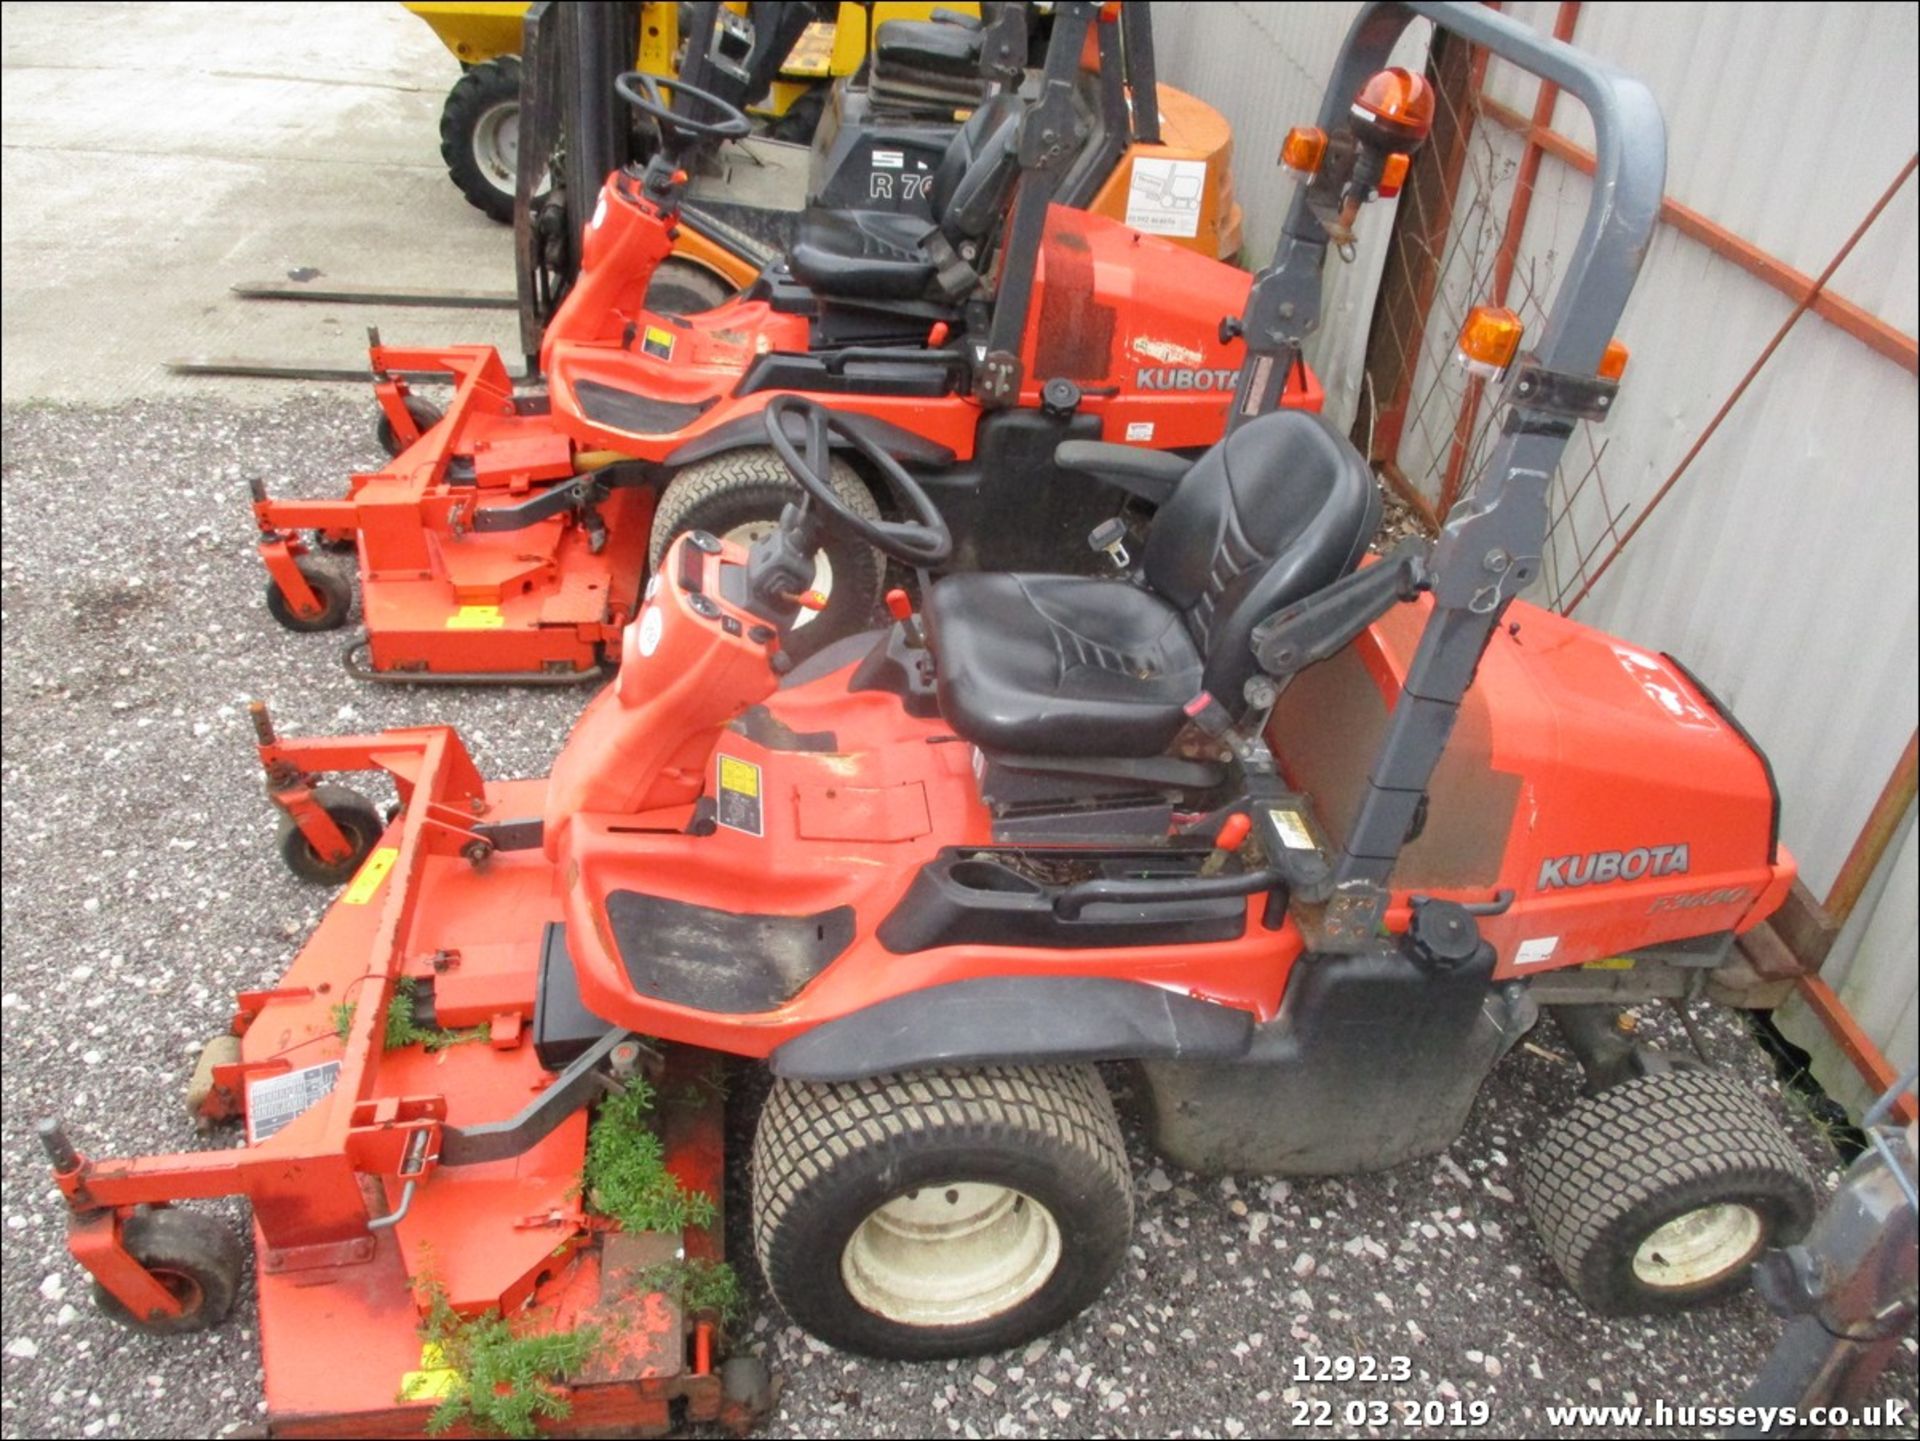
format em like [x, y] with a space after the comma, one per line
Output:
[1659, 1192]
[335, 544]
[358, 821]
[336, 599]
[194, 1256]
[425, 414]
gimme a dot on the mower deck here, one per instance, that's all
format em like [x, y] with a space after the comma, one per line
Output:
[342, 1129]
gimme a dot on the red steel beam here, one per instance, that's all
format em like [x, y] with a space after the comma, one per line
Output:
[1760, 362]
[1879, 336]
[1896, 797]
[1857, 1045]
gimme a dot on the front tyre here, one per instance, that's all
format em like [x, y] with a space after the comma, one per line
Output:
[480, 135]
[1659, 1193]
[940, 1213]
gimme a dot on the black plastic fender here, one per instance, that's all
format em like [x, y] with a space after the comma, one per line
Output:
[1016, 1020]
[749, 431]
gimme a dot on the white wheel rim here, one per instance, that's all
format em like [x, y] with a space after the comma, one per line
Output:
[951, 1255]
[496, 144]
[748, 532]
[1698, 1246]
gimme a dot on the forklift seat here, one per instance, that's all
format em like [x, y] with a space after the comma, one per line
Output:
[939, 46]
[885, 255]
[1061, 665]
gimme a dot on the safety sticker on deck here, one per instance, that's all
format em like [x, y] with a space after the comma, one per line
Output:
[367, 879]
[739, 799]
[275, 1101]
[434, 1381]
[476, 617]
[658, 342]
[1163, 196]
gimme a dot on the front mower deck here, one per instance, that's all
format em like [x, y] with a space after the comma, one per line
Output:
[396, 1186]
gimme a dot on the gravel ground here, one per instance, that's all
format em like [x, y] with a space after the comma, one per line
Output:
[141, 890]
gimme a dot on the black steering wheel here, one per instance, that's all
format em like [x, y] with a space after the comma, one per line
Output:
[642, 92]
[922, 540]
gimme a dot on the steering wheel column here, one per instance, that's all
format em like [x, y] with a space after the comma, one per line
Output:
[781, 567]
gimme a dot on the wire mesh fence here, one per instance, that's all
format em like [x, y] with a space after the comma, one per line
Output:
[1478, 224]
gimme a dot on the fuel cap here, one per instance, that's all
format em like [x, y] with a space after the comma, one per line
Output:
[1443, 933]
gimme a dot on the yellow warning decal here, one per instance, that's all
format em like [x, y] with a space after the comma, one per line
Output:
[658, 342]
[1611, 963]
[738, 775]
[476, 617]
[738, 803]
[434, 1381]
[360, 890]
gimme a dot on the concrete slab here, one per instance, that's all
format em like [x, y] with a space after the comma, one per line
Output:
[157, 153]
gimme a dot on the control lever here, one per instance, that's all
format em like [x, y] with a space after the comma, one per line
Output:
[1111, 536]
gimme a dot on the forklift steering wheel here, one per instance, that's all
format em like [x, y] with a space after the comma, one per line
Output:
[922, 540]
[642, 92]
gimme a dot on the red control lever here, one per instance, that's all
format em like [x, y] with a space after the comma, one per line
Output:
[899, 605]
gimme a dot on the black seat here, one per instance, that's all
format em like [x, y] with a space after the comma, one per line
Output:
[1057, 665]
[884, 255]
[939, 46]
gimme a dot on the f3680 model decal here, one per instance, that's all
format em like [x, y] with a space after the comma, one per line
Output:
[1598, 867]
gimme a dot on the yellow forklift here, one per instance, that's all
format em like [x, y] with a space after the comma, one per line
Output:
[815, 45]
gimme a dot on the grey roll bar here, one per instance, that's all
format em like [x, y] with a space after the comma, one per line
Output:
[1490, 545]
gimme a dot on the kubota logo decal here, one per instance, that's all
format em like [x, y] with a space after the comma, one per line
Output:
[1167, 377]
[1598, 867]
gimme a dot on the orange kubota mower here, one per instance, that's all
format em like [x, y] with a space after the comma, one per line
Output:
[1270, 820]
[508, 538]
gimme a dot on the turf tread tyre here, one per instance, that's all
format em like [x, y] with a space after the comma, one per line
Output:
[473, 94]
[680, 287]
[739, 486]
[818, 1145]
[1621, 1163]
[181, 1244]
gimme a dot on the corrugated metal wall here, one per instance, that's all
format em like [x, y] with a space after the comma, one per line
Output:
[1783, 567]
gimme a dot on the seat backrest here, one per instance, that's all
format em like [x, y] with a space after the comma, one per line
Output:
[971, 183]
[1280, 508]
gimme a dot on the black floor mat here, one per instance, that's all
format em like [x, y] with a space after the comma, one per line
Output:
[722, 961]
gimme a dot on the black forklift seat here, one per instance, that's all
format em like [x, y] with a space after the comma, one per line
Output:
[939, 46]
[884, 255]
[1060, 665]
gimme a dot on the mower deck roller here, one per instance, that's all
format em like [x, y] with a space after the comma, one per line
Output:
[1272, 818]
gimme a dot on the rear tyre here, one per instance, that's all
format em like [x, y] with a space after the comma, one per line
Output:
[739, 496]
[194, 1256]
[359, 822]
[940, 1213]
[335, 595]
[679, 287]
[480, 135]
[1659, 1193]
[425, 415]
